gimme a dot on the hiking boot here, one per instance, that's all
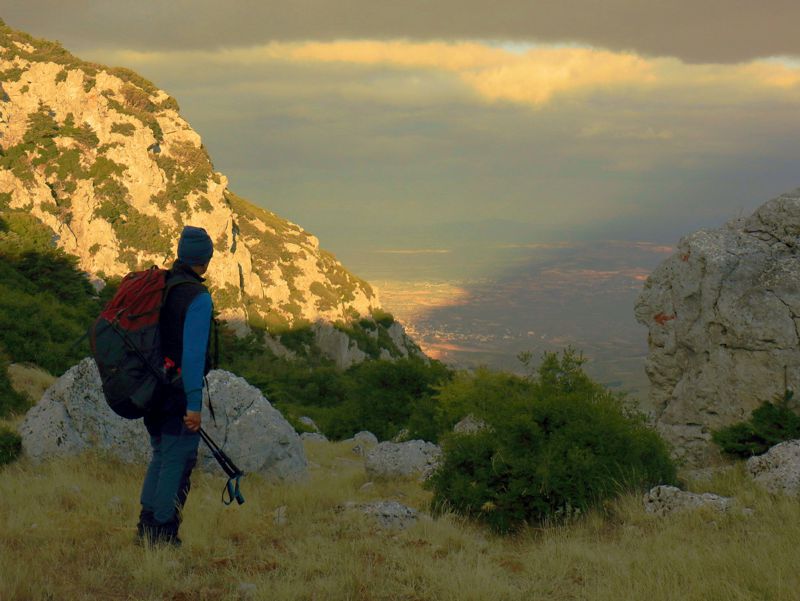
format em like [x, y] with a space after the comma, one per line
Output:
[153, 534]
[145, 517]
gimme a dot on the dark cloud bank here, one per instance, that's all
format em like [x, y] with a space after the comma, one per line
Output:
[693, 30]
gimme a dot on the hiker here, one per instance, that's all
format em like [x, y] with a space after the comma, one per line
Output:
[174, 421]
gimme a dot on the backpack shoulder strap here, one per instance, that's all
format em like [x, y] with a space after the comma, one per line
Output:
[177, 279]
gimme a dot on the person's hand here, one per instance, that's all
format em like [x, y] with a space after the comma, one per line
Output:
[192, 421]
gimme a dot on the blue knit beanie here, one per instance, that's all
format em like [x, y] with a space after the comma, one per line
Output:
[195, 247]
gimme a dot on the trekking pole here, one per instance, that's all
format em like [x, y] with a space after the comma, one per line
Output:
[229, 467]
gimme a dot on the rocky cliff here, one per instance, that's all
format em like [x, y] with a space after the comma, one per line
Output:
[103, 158]
[723, 315]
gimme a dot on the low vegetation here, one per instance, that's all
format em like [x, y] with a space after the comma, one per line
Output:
[771, 423]
[46, 303]
[553, 445]
[81, 513]
[10, 443]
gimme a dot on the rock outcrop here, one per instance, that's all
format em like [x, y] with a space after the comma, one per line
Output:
[723, 315]
[103, 158]
[664, 500]
[778, 470]
[73, 417]
[415, 458]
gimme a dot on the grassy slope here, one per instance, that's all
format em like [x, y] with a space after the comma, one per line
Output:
[78, 514]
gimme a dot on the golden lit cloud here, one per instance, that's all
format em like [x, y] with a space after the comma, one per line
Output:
[533, 76]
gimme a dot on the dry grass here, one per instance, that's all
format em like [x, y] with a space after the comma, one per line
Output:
[29, 381]
[67, 529]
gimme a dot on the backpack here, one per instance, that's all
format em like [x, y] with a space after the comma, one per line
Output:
[126, 342]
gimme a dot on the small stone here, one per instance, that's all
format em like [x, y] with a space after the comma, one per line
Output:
[279, 516]
[387, 514]
[247, 588]
[307, 421]
[470, 425]
[115, 504]
[402, 436]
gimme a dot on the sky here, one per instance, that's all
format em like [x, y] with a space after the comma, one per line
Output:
[456, 139]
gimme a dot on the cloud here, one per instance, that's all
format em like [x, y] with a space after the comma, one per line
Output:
[692, 30]
[533, 76]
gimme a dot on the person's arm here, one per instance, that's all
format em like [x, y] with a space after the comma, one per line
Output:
[195, 343]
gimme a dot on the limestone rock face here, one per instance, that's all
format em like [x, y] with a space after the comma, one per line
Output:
[415, 458]
[73, 416]
[723, 315]
[663, 500]
[338, 346]
[778, 470]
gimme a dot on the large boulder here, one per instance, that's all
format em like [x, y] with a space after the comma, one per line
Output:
[723, 315]
[73, 416]
[415, 458]
[778, 470]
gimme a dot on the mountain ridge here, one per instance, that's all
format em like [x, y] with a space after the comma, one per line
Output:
[103, 158]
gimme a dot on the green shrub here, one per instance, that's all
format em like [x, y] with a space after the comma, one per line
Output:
[12, 74]
[554, 448]
[125, 129]
[169, 103]
[769, 424]
[299, 339]
[46, 303]
[11, 402]
[146, 117]
[83, 135]
[137, 99]
[383, 396]
[10, 445]
[204, 205]
[383, 318]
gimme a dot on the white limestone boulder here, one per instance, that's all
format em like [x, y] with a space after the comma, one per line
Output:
[664, 500]
[72, 416]
[415, 458]
[778, 470]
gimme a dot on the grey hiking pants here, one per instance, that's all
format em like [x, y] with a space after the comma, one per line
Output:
[167, 482]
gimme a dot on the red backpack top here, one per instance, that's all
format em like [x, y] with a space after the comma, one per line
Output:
[126, 341]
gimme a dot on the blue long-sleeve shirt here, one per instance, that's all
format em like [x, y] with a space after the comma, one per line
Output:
[195, 343]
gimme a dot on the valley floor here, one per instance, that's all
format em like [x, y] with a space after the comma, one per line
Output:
[67, 531]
